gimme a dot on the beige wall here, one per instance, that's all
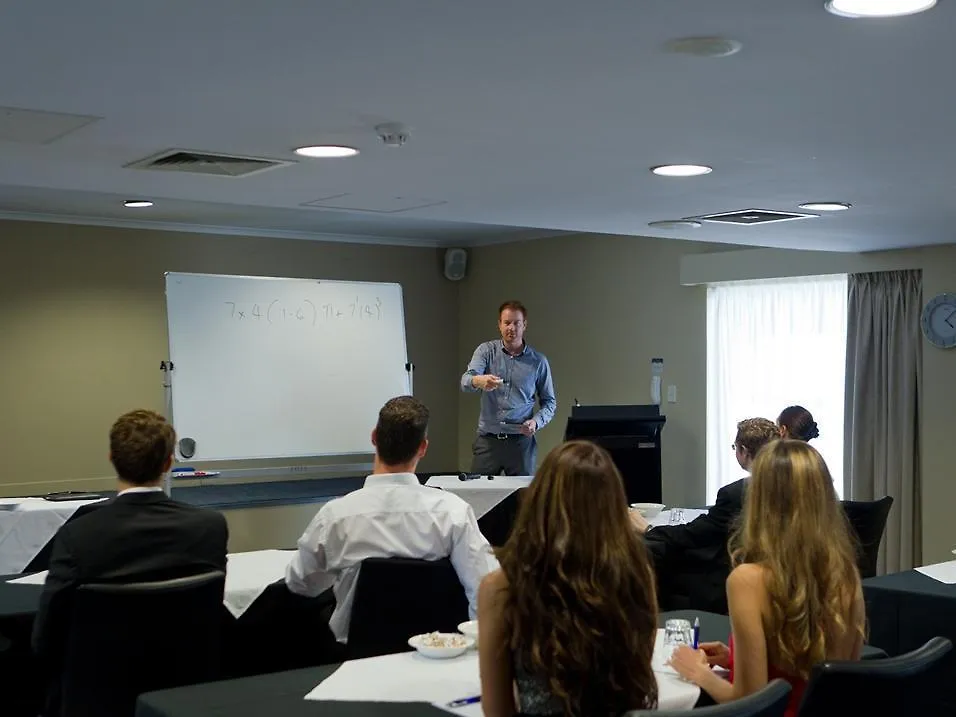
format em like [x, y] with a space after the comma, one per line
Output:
[83, 329]
[600, 307]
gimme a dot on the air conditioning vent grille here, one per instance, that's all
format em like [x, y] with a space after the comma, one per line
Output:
[752, 217]
[217, 165]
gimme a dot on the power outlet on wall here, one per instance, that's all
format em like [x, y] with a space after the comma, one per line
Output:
[672, 394]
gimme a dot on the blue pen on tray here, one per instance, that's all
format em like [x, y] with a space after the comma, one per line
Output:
[696, 632]
[465, 701]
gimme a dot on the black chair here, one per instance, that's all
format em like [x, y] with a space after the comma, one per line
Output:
[868, 519]
[888, 687]
[126, 639]
[771, 701]
[396, 598]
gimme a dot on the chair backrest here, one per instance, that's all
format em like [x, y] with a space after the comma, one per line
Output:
[868, 519]
[771, 701]
[126, 639]
[888, 687]
[396, 598]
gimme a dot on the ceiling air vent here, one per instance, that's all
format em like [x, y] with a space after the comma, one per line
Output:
[752, 217]
[216, 165]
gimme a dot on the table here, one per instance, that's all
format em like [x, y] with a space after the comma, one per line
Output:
[482, 494]
[494, 500]
[906, 609]
[27, 525]
[247, 577]
[686, 515]
[283, 693]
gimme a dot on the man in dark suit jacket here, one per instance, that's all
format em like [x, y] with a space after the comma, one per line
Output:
[692, 560]
[141, 534]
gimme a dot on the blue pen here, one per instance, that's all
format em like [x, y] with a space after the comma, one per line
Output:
[465, 701]
[696, 632]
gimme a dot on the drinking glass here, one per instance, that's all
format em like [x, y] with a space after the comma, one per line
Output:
[676, 633]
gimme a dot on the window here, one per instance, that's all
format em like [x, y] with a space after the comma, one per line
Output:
[773, 344]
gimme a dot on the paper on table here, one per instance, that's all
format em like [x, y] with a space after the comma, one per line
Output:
[405, 677]
[942, 572]
[659, 661]
[32, 579]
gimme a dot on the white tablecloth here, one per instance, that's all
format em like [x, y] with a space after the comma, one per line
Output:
[482, 494]
[247, 577]
[409, 677]
[687, 515]
[26, 525]
[249, 574]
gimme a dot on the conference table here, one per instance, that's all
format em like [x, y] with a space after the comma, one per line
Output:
[27, 525]
[906, 609]
[284, 693]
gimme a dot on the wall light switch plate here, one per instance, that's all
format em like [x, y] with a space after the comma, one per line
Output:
[672, 394]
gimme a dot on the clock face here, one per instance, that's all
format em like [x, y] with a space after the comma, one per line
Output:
[939, 321]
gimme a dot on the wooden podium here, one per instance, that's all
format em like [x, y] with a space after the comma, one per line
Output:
[632, 435]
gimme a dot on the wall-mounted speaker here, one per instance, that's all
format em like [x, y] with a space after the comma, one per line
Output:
[456, 263]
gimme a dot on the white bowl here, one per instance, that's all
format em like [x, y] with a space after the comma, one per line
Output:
[470, 629]
[648, 510]
[463, 643]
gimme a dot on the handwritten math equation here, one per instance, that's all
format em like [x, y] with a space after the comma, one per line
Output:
[306, 311]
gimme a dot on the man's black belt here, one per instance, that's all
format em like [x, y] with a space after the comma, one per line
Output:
[502, 436]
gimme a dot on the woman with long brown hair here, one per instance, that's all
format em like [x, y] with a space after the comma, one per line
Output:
[568, 624]
[794, 594]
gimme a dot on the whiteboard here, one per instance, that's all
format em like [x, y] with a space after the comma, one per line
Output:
[273, 368]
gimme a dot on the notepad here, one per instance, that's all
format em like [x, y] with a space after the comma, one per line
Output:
[941, 572]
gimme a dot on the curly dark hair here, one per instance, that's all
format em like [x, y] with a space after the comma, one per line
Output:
[581, 605]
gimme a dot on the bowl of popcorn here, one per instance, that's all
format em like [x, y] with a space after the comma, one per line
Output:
[441, 645]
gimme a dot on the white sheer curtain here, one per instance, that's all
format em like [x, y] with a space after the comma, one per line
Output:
[773, 344]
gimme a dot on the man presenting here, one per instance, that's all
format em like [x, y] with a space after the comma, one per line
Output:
[509, 374]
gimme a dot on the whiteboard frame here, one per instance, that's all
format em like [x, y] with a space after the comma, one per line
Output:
[172, 374]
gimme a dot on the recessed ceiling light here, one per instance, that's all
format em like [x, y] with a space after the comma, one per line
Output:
[137, 203]
[681, 170]
[675, 224]
[877, 8]
[326, 151]
[825, 206]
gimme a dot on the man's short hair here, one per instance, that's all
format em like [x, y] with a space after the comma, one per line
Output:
[754, 433]
[140, 444]
[402, 426]
[514, 306]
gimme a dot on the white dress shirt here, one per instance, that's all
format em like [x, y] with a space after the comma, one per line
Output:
[141, 489]
[392, 516]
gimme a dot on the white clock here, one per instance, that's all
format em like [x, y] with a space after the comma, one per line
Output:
[939, 321]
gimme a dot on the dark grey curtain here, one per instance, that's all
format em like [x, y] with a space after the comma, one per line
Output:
[883, 365]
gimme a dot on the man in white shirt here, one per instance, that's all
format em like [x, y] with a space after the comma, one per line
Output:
[392, 516]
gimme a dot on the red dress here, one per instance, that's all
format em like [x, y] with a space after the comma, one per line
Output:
[773, 673]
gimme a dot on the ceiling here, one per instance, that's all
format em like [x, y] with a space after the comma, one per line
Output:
[526, 119]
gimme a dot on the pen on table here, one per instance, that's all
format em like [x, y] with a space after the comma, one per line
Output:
[696, 632]
[465, 701]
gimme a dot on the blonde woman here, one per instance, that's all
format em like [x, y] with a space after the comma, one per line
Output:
[794, 594]
[567, 626]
